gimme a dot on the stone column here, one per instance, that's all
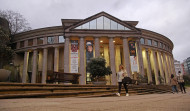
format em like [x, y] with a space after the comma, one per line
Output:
[34, 66]
[160, 65]
[126, 56]
[149, 74]
[171, 65]
[172, 60]
[97, 47]
[56, 59]
[44, 68]
[25, 66]
[168, 65]
[140, 59]
[66, 55]
[155, 68]
[112, 60]
[82, 78]
[166, 69]
[117, 57]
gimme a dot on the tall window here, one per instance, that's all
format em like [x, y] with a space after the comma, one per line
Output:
[21, 44]
[106, 23]
[93, 24]
[163, 46]
[156, 43]
[61, 39]
[160, 45]
[30, 42]
[40, 40]
[149, 42]
[142, 40]
[50, 40]
[100, 23]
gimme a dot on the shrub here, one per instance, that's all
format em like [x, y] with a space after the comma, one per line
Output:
[97, 68]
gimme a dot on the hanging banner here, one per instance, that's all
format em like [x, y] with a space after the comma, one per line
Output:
[133, 57]
[89, 51]
[74, 56]
[89, 55]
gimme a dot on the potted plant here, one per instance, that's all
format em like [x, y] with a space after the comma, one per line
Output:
[98, 70]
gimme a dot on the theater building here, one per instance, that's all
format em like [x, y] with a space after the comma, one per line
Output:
[68, 48]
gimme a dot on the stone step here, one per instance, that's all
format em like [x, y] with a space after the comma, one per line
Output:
[55, 94]
[4, 84]
[19, 90]
[49, 89]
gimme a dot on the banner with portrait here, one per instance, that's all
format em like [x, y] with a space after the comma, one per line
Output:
[74, 56]
[89, 51]
[89, 55]
[133, 57]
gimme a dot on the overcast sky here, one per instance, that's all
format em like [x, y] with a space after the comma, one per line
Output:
[168, 17]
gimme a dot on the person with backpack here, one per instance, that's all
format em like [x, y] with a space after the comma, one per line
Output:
[120, 75]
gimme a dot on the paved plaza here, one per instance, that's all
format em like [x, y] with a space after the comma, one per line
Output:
[151, 102]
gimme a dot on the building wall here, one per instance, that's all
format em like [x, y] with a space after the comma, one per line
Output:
[151, 65]
[178, 67]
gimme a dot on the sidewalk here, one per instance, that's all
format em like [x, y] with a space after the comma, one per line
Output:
[152, 102]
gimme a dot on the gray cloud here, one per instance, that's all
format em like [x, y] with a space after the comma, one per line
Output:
[170, 18]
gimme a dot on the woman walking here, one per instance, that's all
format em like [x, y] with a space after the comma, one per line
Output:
[120, 75]
[174, 84]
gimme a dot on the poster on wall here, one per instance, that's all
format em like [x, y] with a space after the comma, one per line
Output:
[74, 56]
[89, 51]
[133, 57]
[89, 55]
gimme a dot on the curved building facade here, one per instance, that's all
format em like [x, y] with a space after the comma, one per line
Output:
[68, 48]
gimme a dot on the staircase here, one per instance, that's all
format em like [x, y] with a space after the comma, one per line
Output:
[19, 90]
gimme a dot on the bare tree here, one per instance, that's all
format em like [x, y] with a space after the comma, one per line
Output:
[17, 23]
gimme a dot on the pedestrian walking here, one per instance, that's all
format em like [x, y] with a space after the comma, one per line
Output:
[181, 82]
[120, 75]
[173, 82]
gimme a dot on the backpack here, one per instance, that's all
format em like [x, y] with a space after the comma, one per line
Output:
[127, 80]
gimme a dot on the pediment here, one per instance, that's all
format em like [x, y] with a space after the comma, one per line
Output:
[102, 21]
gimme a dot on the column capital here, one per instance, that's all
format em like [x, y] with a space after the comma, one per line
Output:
[45, 47]
[66, 37]
[34, 49]
[26, 50]
[96, 36]
[81, 37]
[111, 36]
[55, 46]
[146, 49]
[124, 38]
